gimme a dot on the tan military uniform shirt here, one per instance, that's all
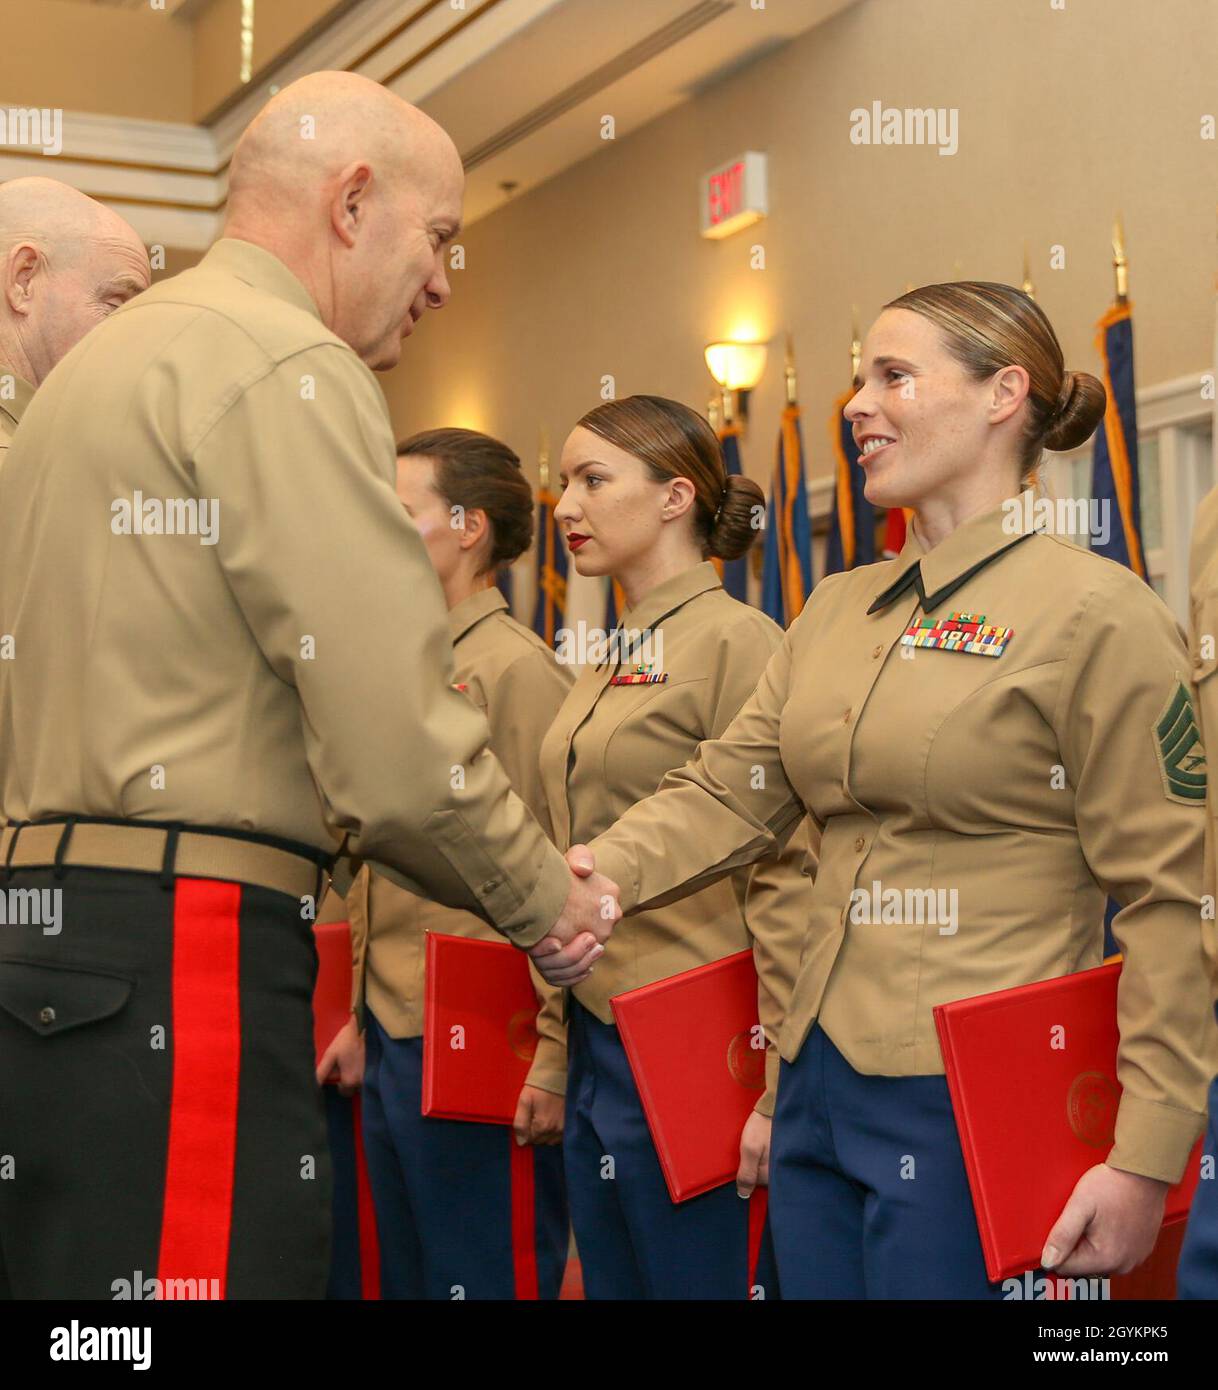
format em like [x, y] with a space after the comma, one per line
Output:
[1030, 784]
[611, 745]
[15, 395]
[278, 660]
[1203, 641]
[514, 679]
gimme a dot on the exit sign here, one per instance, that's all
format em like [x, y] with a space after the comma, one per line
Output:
[734, 195]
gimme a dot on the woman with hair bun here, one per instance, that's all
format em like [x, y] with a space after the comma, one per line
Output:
[647, 501]
[996, 725]
[455, 1216]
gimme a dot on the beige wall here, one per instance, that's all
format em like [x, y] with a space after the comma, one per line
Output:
[95, 58]
[1065, 118]
[139, 62]
[217, 55]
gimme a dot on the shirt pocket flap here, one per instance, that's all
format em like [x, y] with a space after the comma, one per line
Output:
[52, 999]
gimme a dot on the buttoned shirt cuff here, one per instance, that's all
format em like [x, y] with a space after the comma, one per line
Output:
[616, 864]
[549, 1069]
[765, 1106]
[536, 916]
[1154, 1140]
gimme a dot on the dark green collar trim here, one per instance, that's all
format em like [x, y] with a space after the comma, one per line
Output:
[913, 577]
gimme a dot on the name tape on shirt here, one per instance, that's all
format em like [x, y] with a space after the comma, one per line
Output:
[958, 632]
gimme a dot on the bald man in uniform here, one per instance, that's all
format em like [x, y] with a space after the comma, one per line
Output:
[232, 662]
[66, 263]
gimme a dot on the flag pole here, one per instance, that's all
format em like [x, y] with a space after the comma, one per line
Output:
[1120, 265]
[728, 408]
[1028, 287]
[856, 346]
[543, 459]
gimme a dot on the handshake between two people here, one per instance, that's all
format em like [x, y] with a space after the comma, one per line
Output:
[577, 939]
[564, 957]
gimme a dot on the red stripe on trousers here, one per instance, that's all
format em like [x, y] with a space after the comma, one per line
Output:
[369, 1246]
[759, 1204]
[524, 1230]
[197, 1211]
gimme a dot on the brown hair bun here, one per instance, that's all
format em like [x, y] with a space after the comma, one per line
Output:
[674, 441]
[741, 516]
[1081, 403]
[479, 473]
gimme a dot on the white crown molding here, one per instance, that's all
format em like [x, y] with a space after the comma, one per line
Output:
[183, 157]
[181, 145]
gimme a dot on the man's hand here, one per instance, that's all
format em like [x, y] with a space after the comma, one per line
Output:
[343, 1060]
[566, 955]
[1109, 1225]
[754, 1170]
[538, 1117]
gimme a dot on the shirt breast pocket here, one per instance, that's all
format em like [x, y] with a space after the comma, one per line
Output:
[655, 728]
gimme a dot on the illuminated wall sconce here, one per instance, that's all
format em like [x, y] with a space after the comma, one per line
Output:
[737, 367]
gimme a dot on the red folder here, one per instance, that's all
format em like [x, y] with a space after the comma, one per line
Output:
[479, 1028]
[1034, 1117]
[332, 992]
[689, 1043]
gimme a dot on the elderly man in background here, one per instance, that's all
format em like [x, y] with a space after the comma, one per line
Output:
[66, 262]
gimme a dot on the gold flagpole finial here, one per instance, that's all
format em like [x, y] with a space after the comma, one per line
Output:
[1028, 287]
[543, 459]
[1119, 263]
[856, 345]
[792, 387]
[729, 408]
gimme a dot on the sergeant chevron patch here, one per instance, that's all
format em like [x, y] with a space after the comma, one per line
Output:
[1178, 745]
